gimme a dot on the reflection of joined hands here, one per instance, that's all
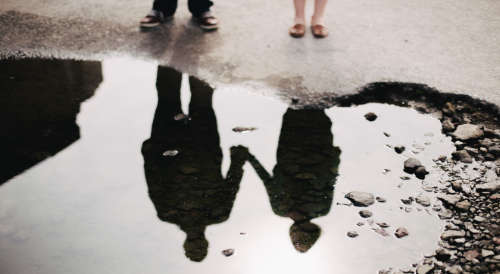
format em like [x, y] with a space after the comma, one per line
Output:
[239, 152]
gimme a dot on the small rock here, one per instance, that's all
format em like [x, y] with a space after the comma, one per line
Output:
[359, 198]
[449, 199]
[380, 199]
[489, 187]
[383, 225]
[451, 234]
[170, 153]
[423, 200]
[411, 164]
[407, 201]
[424, 269]
[479, 219]
[487, 253]
[442, 254]
[495, 197]
[492, 132]
[462, 156]
[244, 129]
[387, 134]
[370, 116]
[420, 172]
[463, 205]
[495, 150]
[456, 269]
[401, 232]
[399, 149]
[352, 234]
[360, 224]
[471, 255]
[448, 126]
[457, 186]
[468, 132]
[180, 116]
[228, 252]
[365, 213]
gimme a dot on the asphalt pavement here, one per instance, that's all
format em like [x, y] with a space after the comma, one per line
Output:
[450, 45]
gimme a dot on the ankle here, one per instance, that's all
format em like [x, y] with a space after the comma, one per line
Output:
[317, 20]
[299, 20]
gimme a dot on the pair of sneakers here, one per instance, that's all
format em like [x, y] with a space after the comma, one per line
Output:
[206, 21]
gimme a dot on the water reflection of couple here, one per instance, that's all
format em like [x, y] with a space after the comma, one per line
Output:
[188, 188]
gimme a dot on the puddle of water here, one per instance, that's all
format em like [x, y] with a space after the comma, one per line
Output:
[122, 182]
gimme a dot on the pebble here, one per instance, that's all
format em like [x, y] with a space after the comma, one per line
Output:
[448, 126]
[423, 200]
[420, 172]
[451, 234]
[487, 253]
[228, 252]
[365, 213]
[489, 187]
[442, 254]
[449, 199]
[424, 269]
[401, 232]
[463, 205]
[370, 116]
[479, 219]
[383, 225]
[399, 149]
[468, 132]
[244, 129]
[170, 153]
[359, 198]
[462, 156]
[411, 164]
[352, 234]
[380, 199]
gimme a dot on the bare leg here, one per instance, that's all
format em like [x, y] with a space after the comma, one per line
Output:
[319, 12]
[300, 8]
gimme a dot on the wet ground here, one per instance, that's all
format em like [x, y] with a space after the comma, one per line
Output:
[126, 166]
[450, 45]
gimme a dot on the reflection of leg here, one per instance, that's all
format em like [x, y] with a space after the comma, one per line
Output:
[198, 7]
[168, 7]
[201, 96]
[168, 84]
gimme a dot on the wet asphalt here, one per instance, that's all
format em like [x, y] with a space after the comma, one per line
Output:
[448, 45]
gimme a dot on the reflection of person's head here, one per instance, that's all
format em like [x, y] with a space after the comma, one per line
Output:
[195, 245]
[302, 183]
[304, 235]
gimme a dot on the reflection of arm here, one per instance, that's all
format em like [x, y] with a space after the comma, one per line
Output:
[239, 156]
[261, 171]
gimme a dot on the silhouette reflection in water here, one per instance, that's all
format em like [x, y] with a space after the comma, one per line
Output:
[304, 177]
[39, 102]
[188, 188]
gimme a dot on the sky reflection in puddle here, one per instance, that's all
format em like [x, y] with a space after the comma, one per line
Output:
[97, 205]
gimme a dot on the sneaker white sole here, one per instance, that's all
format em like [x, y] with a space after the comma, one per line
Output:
[213, 27]
[149, 25]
